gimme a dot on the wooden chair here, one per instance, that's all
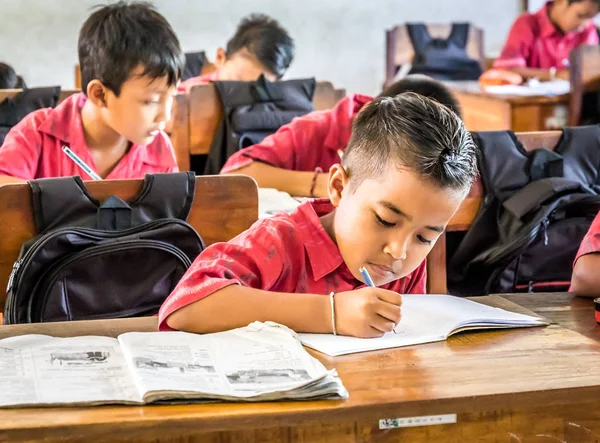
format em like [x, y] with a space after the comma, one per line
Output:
[584, 75]
[11, 93]
[206, 112]
[223, 207]
[399, 48]
[436, 260]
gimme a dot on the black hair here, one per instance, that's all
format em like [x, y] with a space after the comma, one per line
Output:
[9, 78]
[426, 86]
[264, 38]
[118, 38]
[413, 132]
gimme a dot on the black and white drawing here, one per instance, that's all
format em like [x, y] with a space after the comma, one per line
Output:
[169, 365]
[79, 357]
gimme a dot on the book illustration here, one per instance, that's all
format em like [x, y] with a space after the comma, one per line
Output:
[268, 376]
[168, 366]
[78, 357]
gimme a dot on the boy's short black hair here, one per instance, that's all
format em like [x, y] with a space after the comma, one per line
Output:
[426, 86]
[118, 38]
[413, 132]
[9, 78]
[264, 38]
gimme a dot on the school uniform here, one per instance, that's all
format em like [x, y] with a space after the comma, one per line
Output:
[199, 80]
[289, 253]
[534, 42]
[33, 148]
[591, 241]
[307, 142]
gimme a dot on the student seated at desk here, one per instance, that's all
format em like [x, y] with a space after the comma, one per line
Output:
[298, 156]
[541, 41]
[259, 46]
[9, 78]
[585, 281]
[408, 166]
[130, 62]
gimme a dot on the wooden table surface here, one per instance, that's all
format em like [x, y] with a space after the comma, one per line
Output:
[539, 384]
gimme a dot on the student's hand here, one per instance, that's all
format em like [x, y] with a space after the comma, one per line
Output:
[367, 312]
[321, 190]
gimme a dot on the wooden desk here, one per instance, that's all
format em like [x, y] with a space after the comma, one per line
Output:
[539, 384]
[488, 112]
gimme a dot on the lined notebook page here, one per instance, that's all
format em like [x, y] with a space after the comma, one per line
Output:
[425, 319]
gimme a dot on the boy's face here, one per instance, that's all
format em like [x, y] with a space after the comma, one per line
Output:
[388, 224]
[142, 108]
[241, 66]
[577, 15]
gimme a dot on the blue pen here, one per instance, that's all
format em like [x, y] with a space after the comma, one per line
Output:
[369, 282]
[89, 171]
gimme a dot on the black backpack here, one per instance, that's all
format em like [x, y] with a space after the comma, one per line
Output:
[443, 59]
[13, 110]
[537, 207]
[253, 110]
[194, 62]
[99, 260]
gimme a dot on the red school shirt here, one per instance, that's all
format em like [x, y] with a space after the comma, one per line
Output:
[286, 253]
[33, 148]
[534, 42]
[307, 142]
[591, 241]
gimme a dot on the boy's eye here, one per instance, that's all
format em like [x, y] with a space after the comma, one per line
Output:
[384, 223]
[423, 240]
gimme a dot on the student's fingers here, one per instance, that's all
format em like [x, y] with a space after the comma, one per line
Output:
[381, 324]
[389, 312]
[389, 296]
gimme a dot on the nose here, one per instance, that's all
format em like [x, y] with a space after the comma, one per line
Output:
[164, 114]
[397, 247]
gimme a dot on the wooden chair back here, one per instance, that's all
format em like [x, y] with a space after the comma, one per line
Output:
[11, 93]
[584, 75]
[462, 220]
[399, 47]
[223, 207]
[206, 112]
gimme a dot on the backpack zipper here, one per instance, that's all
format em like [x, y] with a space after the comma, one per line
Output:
[51, 274]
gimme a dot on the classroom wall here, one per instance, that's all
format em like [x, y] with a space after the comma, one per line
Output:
[338, 40]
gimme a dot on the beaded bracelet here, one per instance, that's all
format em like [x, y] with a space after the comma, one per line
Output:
[313, 184]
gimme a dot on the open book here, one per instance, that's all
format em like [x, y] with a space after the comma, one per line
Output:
[425, 319]
[263, 361]
[271, 202]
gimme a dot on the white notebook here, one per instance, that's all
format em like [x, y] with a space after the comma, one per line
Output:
[425, 319]
[271, 202]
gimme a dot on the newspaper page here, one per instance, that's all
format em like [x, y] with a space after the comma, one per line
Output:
[262, 359]
[43, 370]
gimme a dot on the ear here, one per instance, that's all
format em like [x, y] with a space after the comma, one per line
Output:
[338, 181]
[96, 93]
[220, 58]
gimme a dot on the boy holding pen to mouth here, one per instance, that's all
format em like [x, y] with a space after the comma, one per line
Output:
[409, 164]
[131, 62]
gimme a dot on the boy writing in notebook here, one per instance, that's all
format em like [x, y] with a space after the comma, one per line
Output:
[408, 166]
[297, 158]
[540, 42]
[131, 62]
[259, 46]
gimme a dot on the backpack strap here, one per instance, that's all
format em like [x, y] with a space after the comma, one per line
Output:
[164, 196]
[419, 36]
[536, 193]
[459, 35]
[61, 201]
[65, 201]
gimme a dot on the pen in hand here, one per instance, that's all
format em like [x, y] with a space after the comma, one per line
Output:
[369, 282]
